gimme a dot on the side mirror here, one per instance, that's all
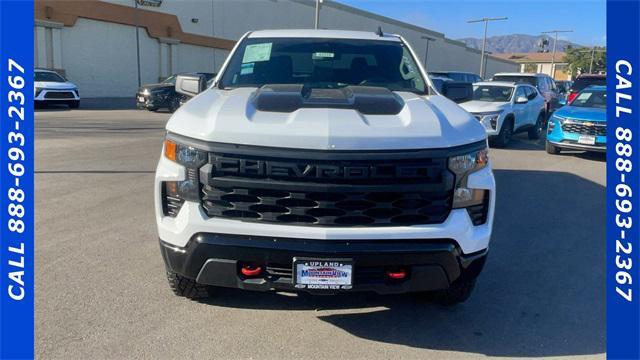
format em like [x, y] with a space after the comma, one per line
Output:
[563, 102]
[522, 100]
[457, 91]
[190, 85]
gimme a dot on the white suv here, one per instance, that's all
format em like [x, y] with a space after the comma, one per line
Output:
[51, 88]
[323, 161]
[505, 108]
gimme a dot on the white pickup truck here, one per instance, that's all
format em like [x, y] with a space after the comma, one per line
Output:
[323, 161]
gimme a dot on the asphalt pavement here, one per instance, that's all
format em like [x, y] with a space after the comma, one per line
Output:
[101, 291]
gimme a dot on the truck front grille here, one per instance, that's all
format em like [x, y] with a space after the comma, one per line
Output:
[362, 189]
[327, 208]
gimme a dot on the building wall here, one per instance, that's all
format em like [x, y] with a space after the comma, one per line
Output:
[100, 56]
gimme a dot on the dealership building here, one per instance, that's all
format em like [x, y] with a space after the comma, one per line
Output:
[108, 47]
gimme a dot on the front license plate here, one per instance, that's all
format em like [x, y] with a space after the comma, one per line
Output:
[141, 99]
[587, 140]
[323, 274]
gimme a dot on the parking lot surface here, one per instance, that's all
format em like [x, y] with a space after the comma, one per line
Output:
[101, 292]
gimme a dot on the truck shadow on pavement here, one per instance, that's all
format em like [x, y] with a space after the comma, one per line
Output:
[542, 292]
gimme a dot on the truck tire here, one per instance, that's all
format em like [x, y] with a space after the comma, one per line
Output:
[535, 132]
[551, 149]
[188, 288]
[457, 293]
[506, 132]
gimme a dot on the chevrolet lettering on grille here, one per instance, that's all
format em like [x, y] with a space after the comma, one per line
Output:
[275, 169]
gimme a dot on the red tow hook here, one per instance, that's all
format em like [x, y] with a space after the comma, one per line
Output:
[251, 270]
[397, 274]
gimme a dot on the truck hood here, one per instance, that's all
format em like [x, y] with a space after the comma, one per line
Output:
[476, 106]
[229, 116]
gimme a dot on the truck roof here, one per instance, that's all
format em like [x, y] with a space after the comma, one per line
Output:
[329, 34]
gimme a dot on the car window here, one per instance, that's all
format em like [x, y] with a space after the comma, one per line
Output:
[552, 84]
[532, 93]
[591, 98]
[323, 63]
[170, 80]
[457, 76]
[492, 93]
[47, 76]
[543, 86]
[520, 92]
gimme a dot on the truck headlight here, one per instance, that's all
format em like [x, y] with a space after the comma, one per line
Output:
[38, 91]
[176, 192]
[462, 166]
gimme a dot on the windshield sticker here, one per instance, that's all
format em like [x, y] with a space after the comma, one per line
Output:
[322, 55]
[257, 52]
[584, 96]
[246, 69]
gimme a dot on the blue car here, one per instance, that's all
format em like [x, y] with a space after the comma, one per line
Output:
[582, 124]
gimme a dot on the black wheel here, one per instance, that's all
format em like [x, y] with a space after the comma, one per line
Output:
[536, 131]
[188, 288]
[457, 293]
[506, 132]
[152, 108]
[74, 104]
[552, 149]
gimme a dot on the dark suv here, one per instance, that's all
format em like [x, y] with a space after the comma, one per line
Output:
[163, 95]
[582, 82]
[544, 83]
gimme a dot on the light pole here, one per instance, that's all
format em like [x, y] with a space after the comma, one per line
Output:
[135, 2]
[317, 23]
[553, 55]
[593, 53]
[484, 39]
[426, 52]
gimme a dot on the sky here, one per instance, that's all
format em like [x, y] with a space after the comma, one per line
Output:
[587, 18]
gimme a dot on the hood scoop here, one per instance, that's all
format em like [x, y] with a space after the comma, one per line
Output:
[367, 100]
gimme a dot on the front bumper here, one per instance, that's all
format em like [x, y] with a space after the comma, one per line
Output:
[570, 140]
[214, 259]
[57, 96]
[572, 145]
[192, 220]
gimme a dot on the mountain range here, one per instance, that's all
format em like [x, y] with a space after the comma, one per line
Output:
[516, 43]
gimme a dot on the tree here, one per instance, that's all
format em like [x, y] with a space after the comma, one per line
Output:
[579, 60]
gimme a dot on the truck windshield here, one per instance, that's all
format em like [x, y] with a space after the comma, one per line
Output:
[323, 63]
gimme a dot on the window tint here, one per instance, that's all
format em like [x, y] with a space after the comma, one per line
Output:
[532, 93]
[520, 92]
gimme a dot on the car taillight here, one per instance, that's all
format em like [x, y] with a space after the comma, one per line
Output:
[572, 96]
